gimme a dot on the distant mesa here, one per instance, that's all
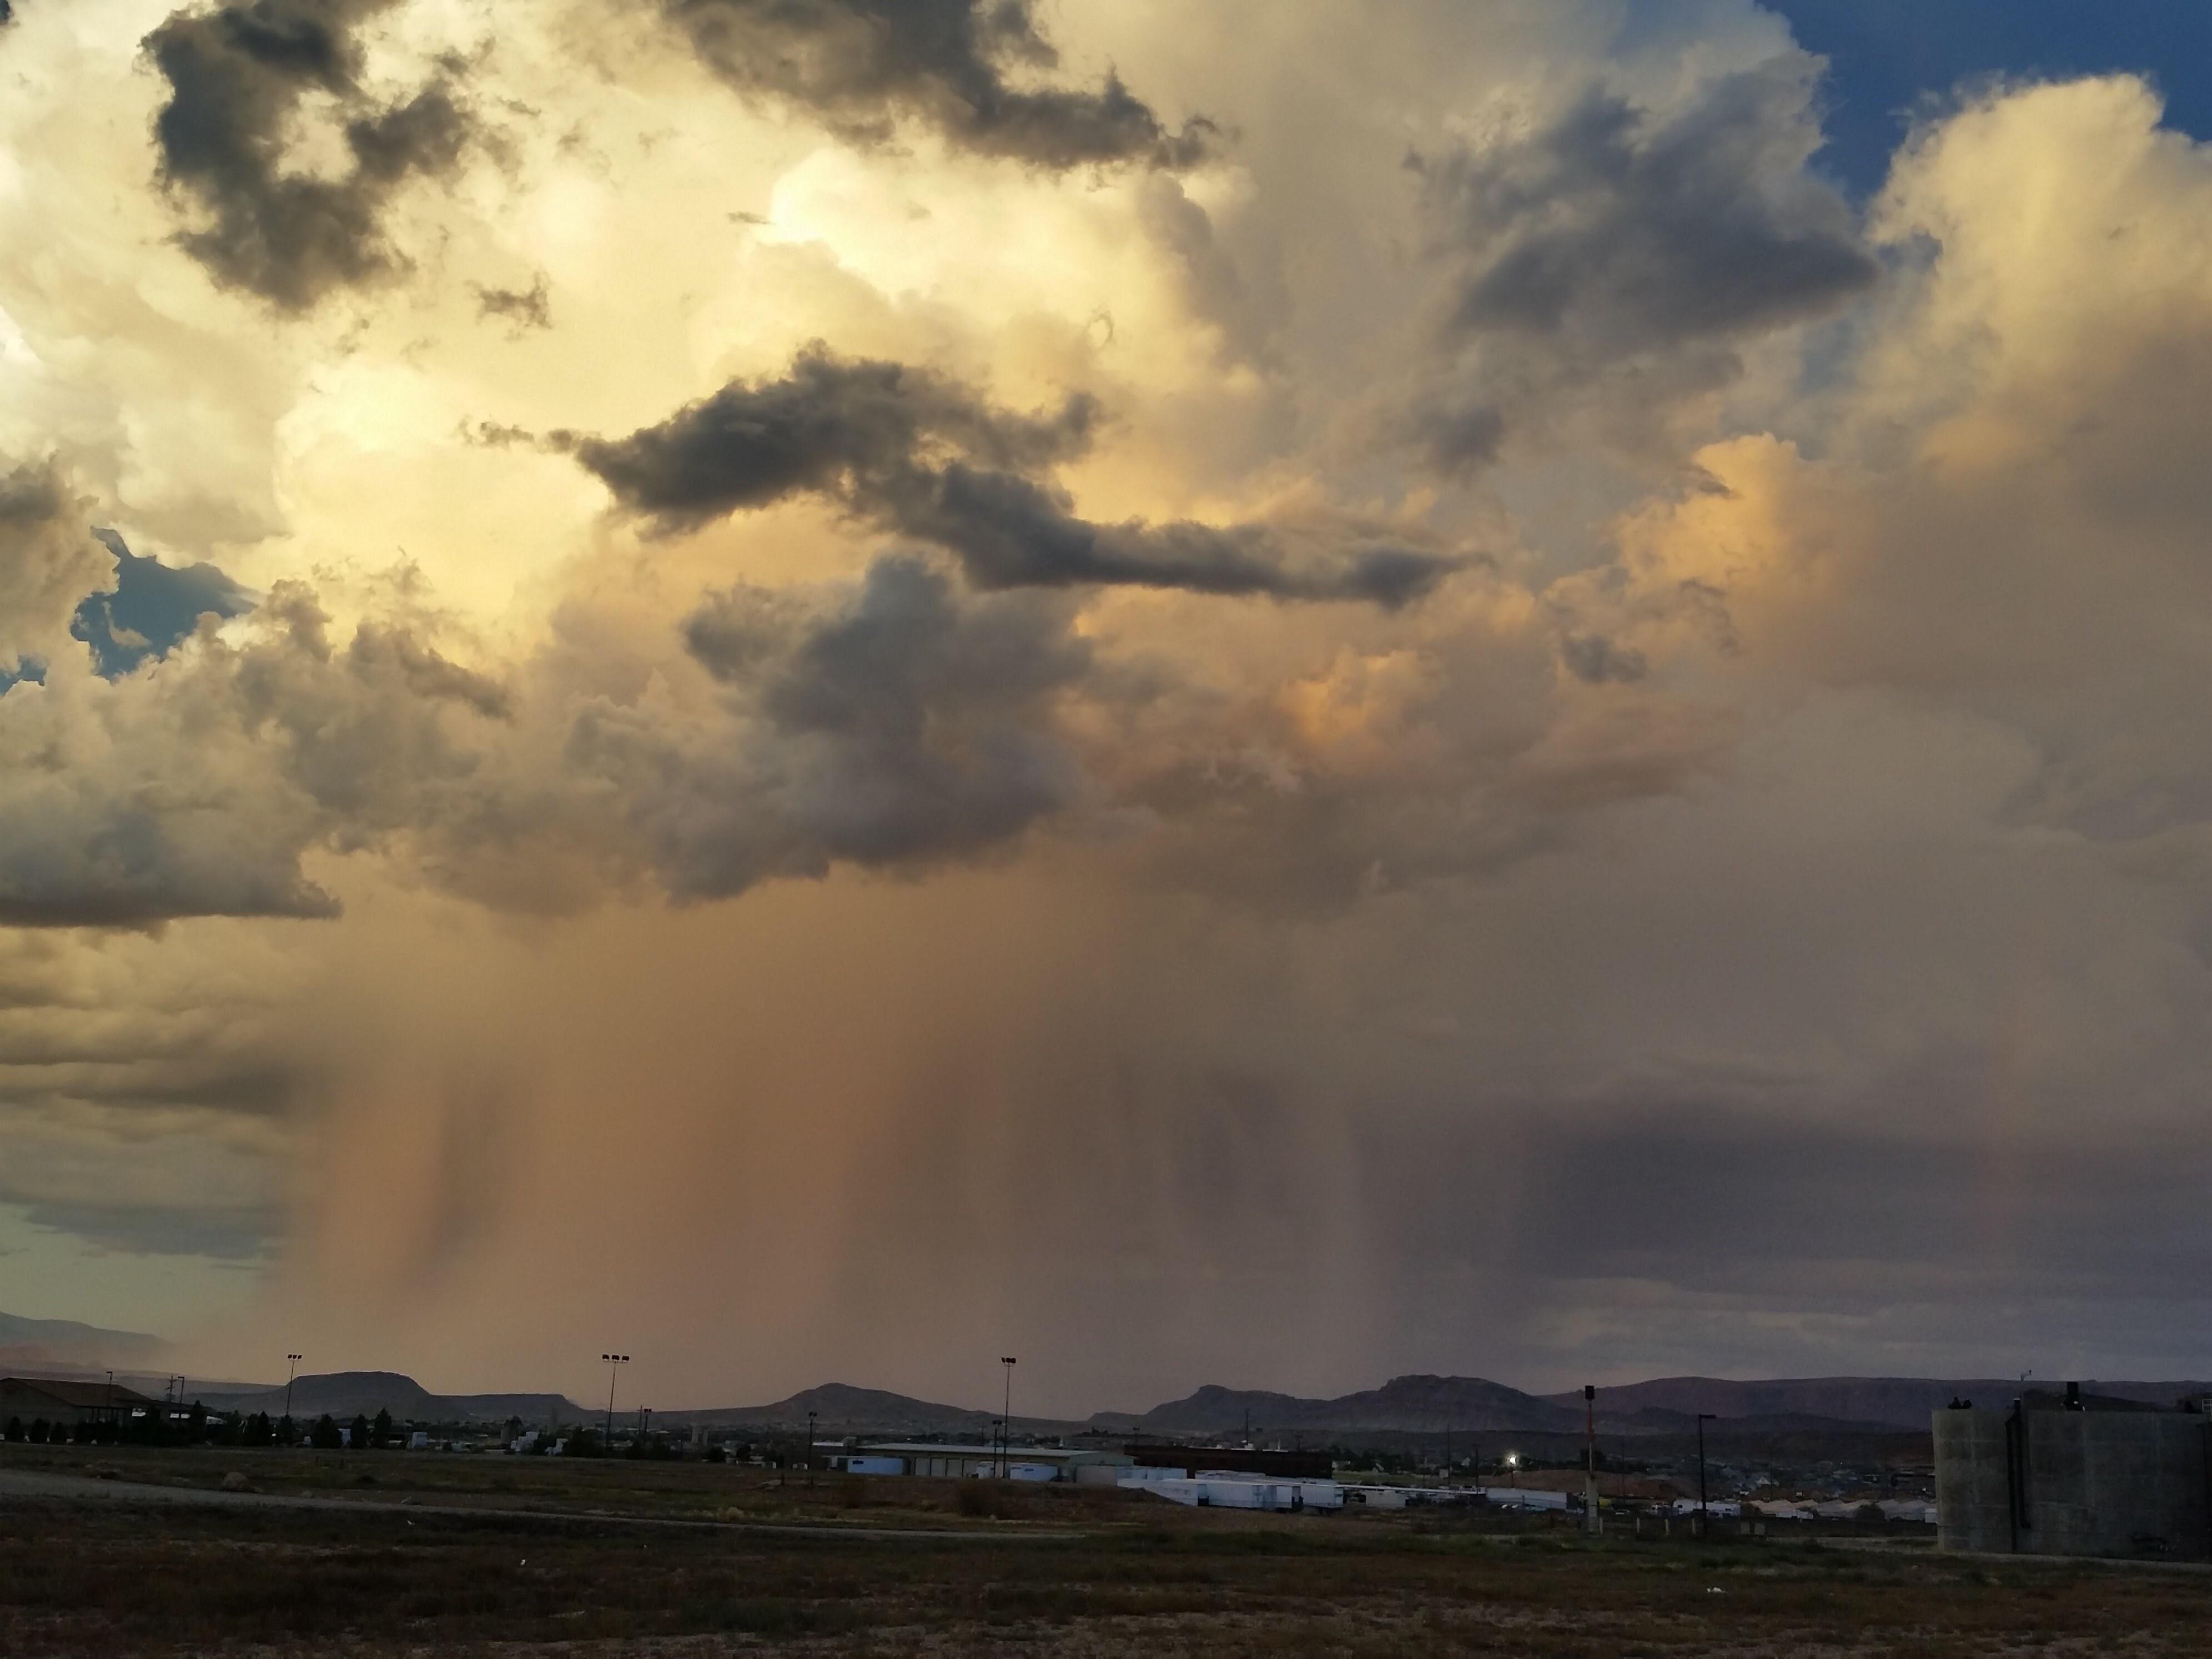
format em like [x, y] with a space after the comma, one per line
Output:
[345, 1395]
[1404, 1405]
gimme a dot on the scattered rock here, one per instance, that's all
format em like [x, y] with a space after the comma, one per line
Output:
[236, 1482]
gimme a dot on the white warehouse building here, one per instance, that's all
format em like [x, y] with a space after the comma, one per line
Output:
[936, 1460]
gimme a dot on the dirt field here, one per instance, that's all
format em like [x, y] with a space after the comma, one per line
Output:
[582, 1562]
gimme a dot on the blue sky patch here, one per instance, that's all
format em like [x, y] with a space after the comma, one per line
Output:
[153, 607]
[1885, 56]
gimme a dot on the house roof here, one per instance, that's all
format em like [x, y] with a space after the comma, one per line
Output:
[81, 1396]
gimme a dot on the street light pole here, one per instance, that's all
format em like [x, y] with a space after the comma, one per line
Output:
[810, 1448]
[1006, 1422]
[291, 1375]
[1593, 1523]
[1703, 1418]
[614, 1362]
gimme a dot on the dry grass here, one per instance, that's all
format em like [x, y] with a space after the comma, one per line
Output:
[86, 1579]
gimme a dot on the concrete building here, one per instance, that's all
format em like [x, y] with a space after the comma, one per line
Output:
[2074, 1477]
[34, 1397]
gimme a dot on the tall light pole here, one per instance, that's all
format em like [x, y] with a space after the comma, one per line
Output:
[1591, 1521]
[614, 1362]
[1703, 1418]
[292, 1360]
[809, 1448]
[1006, 1422]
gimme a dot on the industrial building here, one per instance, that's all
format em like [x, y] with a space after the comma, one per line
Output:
[2074, 1475]
[955, 1463]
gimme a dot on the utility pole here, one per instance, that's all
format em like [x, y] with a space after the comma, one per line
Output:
[614, 1362]
[1006, 1422]
[1703, 1418]
[291, 1375]
[1593, 1523]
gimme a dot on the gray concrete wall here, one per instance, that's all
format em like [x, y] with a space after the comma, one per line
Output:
[1972, 1491]
[2090, 1483]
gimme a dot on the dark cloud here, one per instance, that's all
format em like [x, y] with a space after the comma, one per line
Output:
[860, 65]
[238, 76]
[1597, 660]
[525, 308]
[860, 429]
[895, 722]
[923, 457]
[1616, 243]
[153, 608]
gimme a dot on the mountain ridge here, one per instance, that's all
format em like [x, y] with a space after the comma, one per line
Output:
[1415, 1403]
[63, 1343]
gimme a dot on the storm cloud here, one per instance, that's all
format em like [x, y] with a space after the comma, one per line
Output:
[961, 68]
[895, 722]
[1772, 872]
[1627, 250]
[239, 76]
[920, 456]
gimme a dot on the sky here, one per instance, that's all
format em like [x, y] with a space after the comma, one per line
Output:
[1215, 693]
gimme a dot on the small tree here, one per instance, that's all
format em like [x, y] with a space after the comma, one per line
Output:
[39, 1430]
[326, 1434]
[199, 1422]
[357, 1436]
[383, 1431]
[258, 1430]
[14, 1428]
